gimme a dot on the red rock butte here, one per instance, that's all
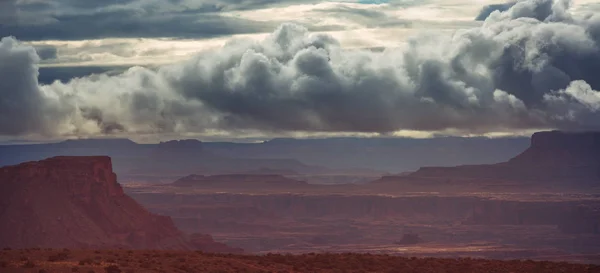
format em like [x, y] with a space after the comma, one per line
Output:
[76, 202]
[88, 173]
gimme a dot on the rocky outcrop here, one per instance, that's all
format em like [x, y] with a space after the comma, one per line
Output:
[76, 202]
[205, 242]
[570, 159]
[556, 148]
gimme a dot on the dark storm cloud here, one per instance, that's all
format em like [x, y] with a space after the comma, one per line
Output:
[125, 23]
[76, 20]
[48, 75]
[532, 66]
[487, 10]
[8, 11]
[46, 52]
[366, 17]
[21, 103]
[105, 126]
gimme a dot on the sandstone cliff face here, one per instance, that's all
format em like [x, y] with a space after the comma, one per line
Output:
[571, 159]
[76, 202]
[557, 148]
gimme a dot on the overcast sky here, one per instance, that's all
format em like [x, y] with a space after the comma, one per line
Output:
[211, 69]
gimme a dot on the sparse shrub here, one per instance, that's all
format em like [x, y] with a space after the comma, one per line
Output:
[29, 264]
[61, 256]
[86, 261]
[3, 264]
[75, 269]
[42, 271]
[112, 269]
[23, 259]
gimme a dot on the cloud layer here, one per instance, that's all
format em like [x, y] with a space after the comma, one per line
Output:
[532, 66]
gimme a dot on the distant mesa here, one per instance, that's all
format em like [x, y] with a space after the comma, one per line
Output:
[271, 171]
[181, 145]
[354, 155]
[556, 148]
[553, 158]
[98, 142]
[239, 180]
[178, 149]
[76, 202]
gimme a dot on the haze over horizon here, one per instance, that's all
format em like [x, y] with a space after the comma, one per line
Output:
[227, 70]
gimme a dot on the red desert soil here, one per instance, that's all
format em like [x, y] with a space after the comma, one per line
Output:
[114, 261]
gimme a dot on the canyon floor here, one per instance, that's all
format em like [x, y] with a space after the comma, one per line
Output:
[504, 226]
[115, 261]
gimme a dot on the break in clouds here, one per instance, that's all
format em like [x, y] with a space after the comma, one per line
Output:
[533, 65]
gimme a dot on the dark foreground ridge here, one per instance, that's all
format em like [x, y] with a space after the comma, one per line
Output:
[65, 260]
[76, 202]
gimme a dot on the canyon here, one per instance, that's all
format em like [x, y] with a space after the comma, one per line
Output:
[499, 227]
[538, 205]
[541, 204]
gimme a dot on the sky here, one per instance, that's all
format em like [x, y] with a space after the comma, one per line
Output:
[233, 69]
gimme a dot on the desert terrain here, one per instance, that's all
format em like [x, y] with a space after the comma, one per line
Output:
[126, 261]
[527, 207]
[390, 136]
[530, 206]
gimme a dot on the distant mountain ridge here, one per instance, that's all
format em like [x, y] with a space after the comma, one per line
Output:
[383, 154]
[271, 181]
[173, 158]
[277, 156]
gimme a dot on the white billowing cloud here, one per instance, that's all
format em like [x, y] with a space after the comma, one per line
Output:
[583, 94]
[577, 105]
[530, 67]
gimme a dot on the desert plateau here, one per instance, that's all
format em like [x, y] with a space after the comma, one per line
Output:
[75, 203]
[300, 136]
